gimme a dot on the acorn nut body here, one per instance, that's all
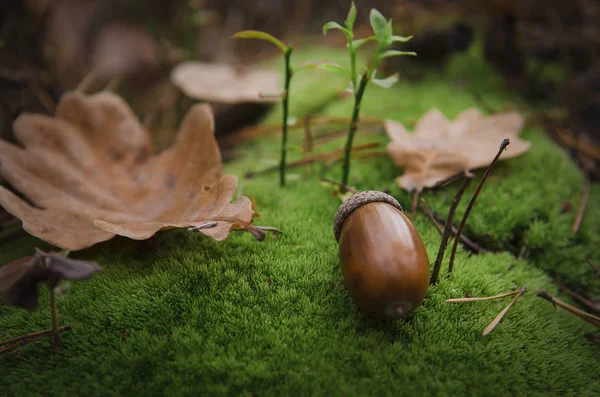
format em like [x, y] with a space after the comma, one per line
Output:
[384, 261]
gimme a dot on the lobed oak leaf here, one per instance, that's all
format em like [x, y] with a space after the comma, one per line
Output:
[89, 173]
[440, 148]
[224, 83]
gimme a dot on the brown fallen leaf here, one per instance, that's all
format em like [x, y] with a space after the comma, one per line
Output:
[90, 174]
[224, 83]
[439, 147]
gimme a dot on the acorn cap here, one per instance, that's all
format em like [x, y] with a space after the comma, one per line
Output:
[355, 201]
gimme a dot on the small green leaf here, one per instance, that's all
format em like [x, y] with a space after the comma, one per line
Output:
[387, 82]
[394, 53]
[351, 18]
[255, 34]
[400, 39]
[334, 25]
[358, 43]
[381, 27]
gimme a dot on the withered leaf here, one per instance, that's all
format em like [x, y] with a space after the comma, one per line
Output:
[19, 279]
[90, 174]
[224, 83]
[439, 147]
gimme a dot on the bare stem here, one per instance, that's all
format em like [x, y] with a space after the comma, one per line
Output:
[352, 128]
[448, 227]
[284, 126]
[31, 337]
[582, 205]
[54, 319]
[596, 268]
[503, 146]
[485, 298]
[590, 318]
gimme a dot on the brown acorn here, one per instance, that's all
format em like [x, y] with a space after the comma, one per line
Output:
[384, 261]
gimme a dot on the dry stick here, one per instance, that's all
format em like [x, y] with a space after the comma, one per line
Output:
[590, 318]
[21, 344]
[54, 319]
[433, 218]
[448, 227]
[429, 214]
[485, 298]
[596, 268]
[593, 306]
[448, 180]
[345, 187]
[312, 159]
[499, 317]
[464, 239]
[413, 207]
[34, 335]
[582, 205]
[308, 142]
[263, 228]
[503, 146]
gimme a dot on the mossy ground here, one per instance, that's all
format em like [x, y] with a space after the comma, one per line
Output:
[185, 315]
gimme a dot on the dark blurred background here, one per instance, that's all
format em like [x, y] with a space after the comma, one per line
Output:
[50, 46]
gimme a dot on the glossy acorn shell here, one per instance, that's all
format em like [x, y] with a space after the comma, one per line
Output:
[384, 261]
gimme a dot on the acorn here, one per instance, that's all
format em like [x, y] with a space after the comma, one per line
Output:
[384, 261]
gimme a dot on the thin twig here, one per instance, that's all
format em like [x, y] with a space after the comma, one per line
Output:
[448, 180]
[464, 239]
[593, 306]
[54, 320]
[503, 146]
[344, 187]
[312, 159]
[484, 298]
[590, 318]
[11, 232]
[308, 143]
[415, 200]
[35, 334]
[20, 341]
[596, 268]
[263, 228]
[500, 315]
[448, 227]
[429, 214]
[582, 205]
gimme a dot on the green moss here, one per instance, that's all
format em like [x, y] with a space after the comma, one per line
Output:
[185, 315]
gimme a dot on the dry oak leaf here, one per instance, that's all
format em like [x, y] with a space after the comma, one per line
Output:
[440, 148]
[90, 174]
[224, 83]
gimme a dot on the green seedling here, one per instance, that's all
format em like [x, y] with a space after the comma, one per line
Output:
[287, 52]
[383, 36]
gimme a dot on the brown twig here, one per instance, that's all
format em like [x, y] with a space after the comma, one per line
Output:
[590, 318]
[503, 146]
[448, 227]
[10, 232]
[415, 200]
[596, 268]
[486, 298]
[312, 159]
[448, 180]
[429, 215]
[343, 187]
[593, 306]
[582, 205]
[20, 341]
[54, 319]
[308, 142]
[500, 315]
[463, 239]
